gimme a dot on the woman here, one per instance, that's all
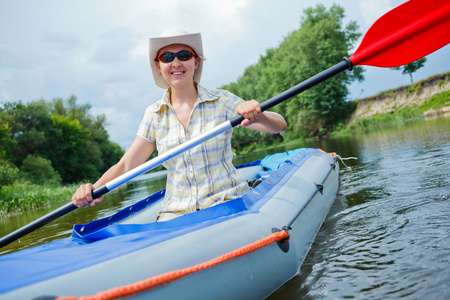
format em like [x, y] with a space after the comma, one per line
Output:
[204, 175]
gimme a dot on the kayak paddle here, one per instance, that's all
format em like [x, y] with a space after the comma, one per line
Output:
[401, 36]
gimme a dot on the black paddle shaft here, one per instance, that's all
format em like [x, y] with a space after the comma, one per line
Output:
[346, 64]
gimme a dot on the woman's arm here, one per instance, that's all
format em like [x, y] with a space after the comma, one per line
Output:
[136, 155]
[266, 121]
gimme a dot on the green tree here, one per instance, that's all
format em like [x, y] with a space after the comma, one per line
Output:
[6, 143]
[102, 153]
[68, 150]
[8, 173]
[29, 124]
[411, 67]
[62, 131]
[321, 42]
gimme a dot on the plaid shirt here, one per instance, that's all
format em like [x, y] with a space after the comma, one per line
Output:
[204, 175]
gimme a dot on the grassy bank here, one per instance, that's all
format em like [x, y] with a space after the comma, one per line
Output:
[23, 197]
[395, 118]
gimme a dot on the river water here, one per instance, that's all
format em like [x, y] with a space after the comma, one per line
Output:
[387, 235]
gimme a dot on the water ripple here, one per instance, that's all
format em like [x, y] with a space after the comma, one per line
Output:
[387, 235]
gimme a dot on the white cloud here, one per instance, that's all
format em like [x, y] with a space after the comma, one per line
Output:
[5, 96]
[118, 121]
[140, 50]
[371, 10]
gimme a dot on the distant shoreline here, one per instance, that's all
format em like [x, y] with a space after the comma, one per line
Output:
[413, 95]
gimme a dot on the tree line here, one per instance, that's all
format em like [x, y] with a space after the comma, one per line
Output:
[54, 141]
[321, 42]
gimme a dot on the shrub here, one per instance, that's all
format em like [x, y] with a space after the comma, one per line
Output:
[412, 89]
[39, 170]
[8, 173]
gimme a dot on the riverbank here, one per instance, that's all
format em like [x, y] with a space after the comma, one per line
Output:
[426, 99]
[18, 198]
[410, 96]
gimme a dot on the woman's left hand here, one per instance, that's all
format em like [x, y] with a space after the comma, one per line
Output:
[250, 110]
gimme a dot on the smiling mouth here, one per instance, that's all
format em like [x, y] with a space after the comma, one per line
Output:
[178, 73]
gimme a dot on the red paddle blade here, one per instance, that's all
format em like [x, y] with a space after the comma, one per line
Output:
[405, 34]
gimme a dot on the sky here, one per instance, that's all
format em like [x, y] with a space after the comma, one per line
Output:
[97, 50]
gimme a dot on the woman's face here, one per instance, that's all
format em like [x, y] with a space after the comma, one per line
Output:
[178, 74]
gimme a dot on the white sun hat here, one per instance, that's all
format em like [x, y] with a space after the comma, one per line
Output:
[170, 37]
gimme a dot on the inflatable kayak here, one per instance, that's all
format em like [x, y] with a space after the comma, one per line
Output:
[245, 248]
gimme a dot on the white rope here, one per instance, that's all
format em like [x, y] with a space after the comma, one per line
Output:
[345, 158]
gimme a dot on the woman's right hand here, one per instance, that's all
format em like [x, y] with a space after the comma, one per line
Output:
[83, 196]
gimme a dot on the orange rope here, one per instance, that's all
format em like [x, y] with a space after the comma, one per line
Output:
[168, 277]
[331, 153]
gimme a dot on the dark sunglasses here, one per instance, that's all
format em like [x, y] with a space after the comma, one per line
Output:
[183, 55]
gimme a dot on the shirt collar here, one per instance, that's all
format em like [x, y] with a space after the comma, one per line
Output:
[204, 95]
